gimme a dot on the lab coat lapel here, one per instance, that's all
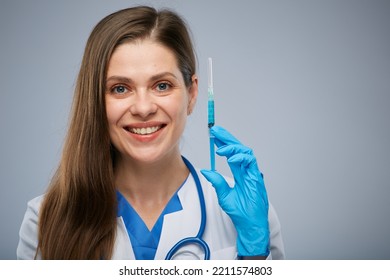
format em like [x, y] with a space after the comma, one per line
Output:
[122, 248]
[183, 223]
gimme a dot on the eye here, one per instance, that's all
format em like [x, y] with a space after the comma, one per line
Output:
[164, 86]
[119, 89]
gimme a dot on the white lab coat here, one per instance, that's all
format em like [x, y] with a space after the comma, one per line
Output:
[219, 234]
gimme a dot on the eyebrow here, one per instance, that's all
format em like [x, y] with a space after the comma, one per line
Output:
[119, 79]
[122, 79]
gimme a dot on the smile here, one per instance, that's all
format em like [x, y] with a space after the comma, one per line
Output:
[145, 130]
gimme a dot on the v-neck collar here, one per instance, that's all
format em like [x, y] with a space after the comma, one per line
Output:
[144, 241]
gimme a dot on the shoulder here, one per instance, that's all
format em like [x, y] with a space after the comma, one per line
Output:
[276, 244]
[28, 233]
[33, 208]
[35, 203]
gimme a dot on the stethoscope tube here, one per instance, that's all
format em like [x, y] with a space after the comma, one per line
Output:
[198, 238]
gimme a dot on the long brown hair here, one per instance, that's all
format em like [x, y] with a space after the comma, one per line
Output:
[78, 215]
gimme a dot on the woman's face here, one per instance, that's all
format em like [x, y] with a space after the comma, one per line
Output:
[147, 101]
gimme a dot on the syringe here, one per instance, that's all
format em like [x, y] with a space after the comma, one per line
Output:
[210, 112]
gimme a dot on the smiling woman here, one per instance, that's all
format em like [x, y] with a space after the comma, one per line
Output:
[122, 189]
[150, 100]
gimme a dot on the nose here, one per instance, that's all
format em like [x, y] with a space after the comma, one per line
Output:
[144, 105]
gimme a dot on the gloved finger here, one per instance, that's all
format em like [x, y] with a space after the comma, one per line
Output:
[251, 177]
[222, 188]
[244, 170]
[247, 163]
[223, 137]
[230, 150]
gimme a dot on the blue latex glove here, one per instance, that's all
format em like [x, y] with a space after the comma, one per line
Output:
[246, 203]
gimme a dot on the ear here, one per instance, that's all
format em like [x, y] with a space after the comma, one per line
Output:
[193, 94]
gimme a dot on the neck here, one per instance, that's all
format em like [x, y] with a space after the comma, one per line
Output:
[142, 182]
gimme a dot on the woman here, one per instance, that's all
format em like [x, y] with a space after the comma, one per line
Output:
[122, 189]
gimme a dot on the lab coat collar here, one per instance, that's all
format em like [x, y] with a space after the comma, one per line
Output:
[176, 225]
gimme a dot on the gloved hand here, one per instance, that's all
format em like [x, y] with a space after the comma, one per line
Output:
[246, 203]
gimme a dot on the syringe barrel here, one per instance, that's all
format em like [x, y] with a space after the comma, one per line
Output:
[211, 120]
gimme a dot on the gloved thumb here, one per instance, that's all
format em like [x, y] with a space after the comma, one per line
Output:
[219, 183]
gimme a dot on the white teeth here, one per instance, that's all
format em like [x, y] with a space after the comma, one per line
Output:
[145, 130]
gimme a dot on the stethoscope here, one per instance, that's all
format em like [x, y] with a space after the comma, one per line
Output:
[198, 238]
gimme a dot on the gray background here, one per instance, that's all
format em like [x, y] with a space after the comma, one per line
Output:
[306, 84]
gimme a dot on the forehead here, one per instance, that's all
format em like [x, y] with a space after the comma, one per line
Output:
[142, 56]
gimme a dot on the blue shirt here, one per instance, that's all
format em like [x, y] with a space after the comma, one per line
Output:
[144, 241]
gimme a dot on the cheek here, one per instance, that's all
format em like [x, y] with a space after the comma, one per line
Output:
[110, 114]
[114, 111]
[177, 108]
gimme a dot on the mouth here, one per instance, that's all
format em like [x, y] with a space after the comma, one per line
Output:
[144, 130]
